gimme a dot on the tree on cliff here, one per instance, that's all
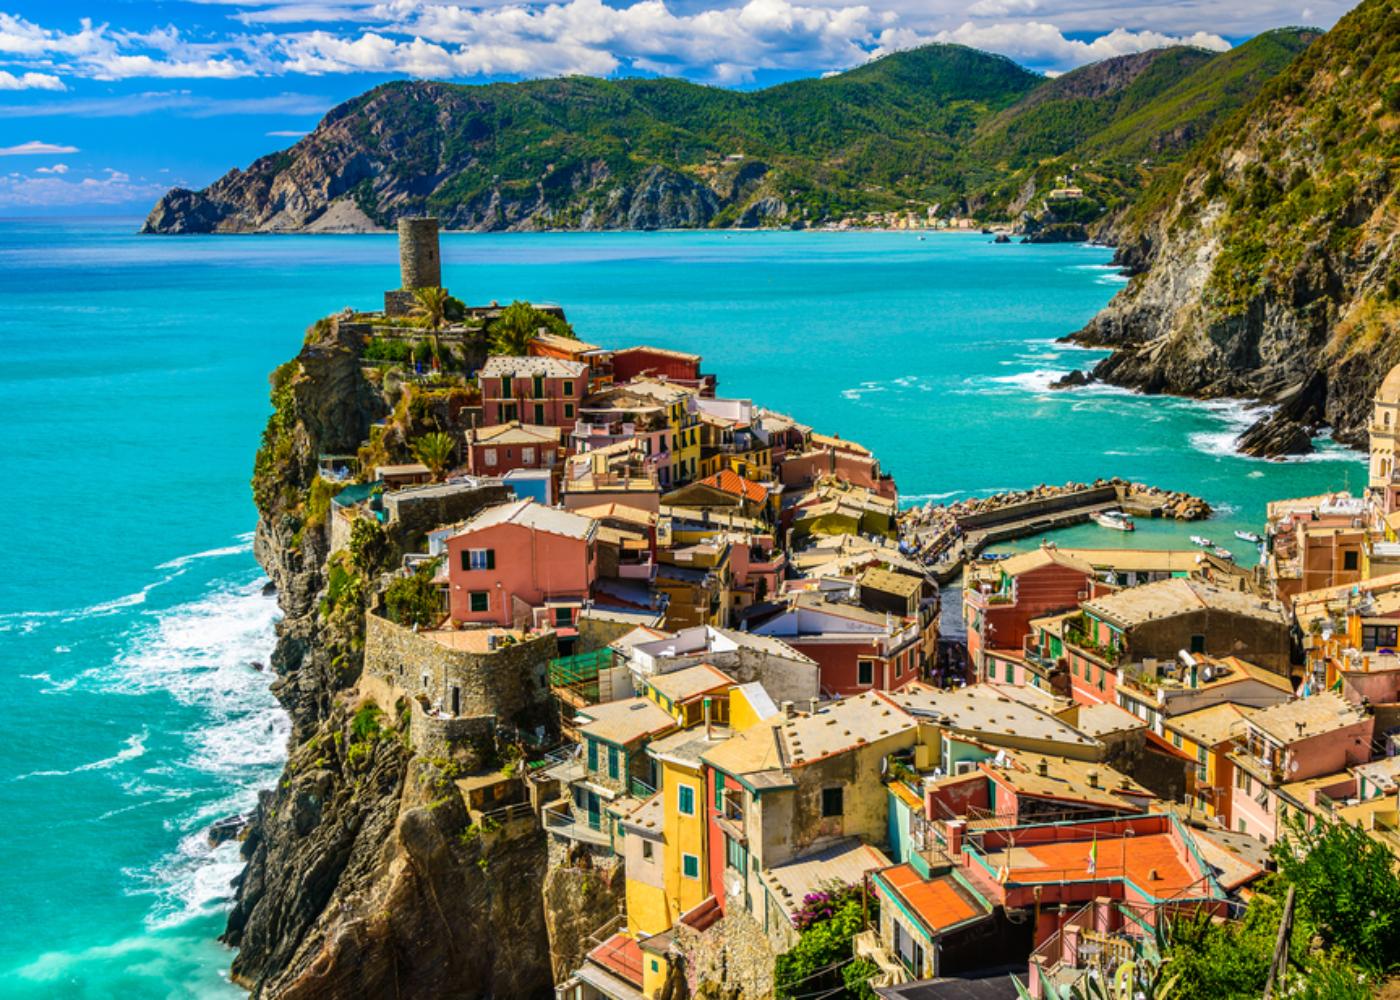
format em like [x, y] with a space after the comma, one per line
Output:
[519, 323]
[430, 307]
[436, 451]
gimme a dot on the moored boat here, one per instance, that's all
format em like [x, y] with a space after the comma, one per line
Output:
[1223, 553]
[1248, 536]
[1202, 541]
[1115, 519]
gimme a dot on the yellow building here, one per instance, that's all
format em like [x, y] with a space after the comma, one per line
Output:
[1384, 480]
[1208, 735]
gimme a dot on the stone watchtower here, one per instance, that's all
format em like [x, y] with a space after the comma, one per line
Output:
[420, 263]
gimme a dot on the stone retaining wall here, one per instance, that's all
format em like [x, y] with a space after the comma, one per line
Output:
[508, 683]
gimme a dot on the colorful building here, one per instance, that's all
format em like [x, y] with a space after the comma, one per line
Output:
[500, 448]
[521, 562]
[539, 391]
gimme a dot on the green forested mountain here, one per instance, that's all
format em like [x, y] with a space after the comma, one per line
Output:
[942, 124]
[1265, 260]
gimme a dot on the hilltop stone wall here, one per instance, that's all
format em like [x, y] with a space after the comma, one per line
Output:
[509, 683]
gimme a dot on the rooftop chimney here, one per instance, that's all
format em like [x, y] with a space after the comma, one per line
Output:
[812, 704]
[787, 708]
[1093, 779]
[1043, 768]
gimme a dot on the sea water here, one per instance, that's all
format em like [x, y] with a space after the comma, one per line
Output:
[132, 618]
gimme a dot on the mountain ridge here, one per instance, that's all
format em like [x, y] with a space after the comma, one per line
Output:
[1264, 264]
[583, 153]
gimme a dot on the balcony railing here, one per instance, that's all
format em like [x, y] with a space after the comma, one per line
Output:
[559, 822]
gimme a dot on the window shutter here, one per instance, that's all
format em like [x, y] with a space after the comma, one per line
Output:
[466, 559]
[490, 558]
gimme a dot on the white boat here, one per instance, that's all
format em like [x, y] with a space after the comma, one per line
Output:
[1114, 519]
[1248, 536]
[1202, 541]
[1224, 553]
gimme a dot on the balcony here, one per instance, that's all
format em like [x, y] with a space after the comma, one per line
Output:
[557, 820]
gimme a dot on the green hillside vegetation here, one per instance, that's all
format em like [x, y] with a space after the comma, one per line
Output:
[942, 124]
[1115, 143]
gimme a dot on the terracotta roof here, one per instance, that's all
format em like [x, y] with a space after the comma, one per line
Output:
[940, 903]
[843, 725]
[662, 351]
[1307, 717]
[514, 432]
[1044, 556]
[620, 955]
[1213, 725]
[846, 861]
[731, 482]
[891, 582]
[625, 721]
[1178, 596]
[532, 515]
[516, 367]
[690, 682]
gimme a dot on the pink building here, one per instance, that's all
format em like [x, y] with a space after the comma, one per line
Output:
[499, 448]
[540, 391]
[521, 563]
[1289, 743]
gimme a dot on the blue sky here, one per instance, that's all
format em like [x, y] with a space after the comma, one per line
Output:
[105, 104]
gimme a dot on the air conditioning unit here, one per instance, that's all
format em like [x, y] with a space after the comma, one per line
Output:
[965, 767]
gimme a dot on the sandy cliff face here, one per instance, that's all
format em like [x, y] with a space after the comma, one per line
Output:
[1266, 268]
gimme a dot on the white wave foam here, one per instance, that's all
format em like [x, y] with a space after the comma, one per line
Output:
[200, 653]
[245, 545]
[1037, 380]
[133, 747]
[925, 497]
[28, 621]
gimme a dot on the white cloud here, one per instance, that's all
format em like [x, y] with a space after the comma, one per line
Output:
[58, 192]
[729, 42]
[36, 148]
[288, 133]
[57, 168]
[183, 103]
[30, 81]
[1039, 43]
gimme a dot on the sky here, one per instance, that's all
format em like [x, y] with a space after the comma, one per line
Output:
[106, 104]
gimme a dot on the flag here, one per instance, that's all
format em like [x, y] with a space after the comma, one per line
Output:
[1094, 855]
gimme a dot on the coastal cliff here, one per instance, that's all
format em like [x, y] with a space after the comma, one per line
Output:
[1265, 267]
[365, 875]
[940, 126]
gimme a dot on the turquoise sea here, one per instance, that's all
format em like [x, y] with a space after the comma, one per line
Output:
[130, 606]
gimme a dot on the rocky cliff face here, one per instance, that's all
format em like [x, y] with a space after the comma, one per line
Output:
[1265, 268]
[364, 875]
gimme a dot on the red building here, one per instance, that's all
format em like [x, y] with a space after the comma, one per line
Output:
[656, 362]
[1001, 600]
[499, 448]
[539, 391]
[521, 563]
[856, 649]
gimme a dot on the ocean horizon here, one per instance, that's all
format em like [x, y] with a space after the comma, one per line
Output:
[138, 676]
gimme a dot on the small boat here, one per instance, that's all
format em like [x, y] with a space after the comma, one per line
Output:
[1223, 553]
[1202, 541]
[1114, 519]
[1248, 536]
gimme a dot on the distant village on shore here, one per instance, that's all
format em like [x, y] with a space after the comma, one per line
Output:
[700, 646]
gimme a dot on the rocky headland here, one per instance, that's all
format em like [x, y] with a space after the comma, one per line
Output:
[1264, 268]
[366, 875]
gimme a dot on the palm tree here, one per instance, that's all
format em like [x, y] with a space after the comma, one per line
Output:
[430, 307]
[513, 330]
[436, 451]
